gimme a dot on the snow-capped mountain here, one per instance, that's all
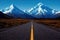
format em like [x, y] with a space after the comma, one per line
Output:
[16, 12]
[38, 11]
[57, 14]
[42, 11]
[2, 15]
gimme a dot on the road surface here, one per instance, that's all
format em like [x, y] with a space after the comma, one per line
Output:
[43, 32]
[23, 32]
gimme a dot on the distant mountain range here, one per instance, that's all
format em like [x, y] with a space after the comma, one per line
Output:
[16, 13]
[42, 11]
[37, 12]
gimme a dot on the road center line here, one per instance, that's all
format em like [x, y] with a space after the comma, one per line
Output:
[32, 32]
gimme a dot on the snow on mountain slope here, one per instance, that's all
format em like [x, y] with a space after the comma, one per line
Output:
[38, 11]
[8, 10]
[58, 12]
[12, 9]
[16, 12]
[42, 11]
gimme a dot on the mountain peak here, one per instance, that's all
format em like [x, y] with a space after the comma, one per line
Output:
[11, 6]
[39, 7]
[41, 10]
[40, 4]
[9, 9]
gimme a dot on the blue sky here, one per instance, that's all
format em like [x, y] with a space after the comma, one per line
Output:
[27, 4]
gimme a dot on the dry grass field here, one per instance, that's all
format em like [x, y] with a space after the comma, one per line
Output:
[50, 22]
[6, 23]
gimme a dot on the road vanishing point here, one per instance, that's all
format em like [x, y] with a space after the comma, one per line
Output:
[29, 31]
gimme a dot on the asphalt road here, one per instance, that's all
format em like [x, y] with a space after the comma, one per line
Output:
[43, 32]
[22, 32]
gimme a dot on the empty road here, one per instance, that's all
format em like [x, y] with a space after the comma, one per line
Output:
[23, 32]
[43, 32]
